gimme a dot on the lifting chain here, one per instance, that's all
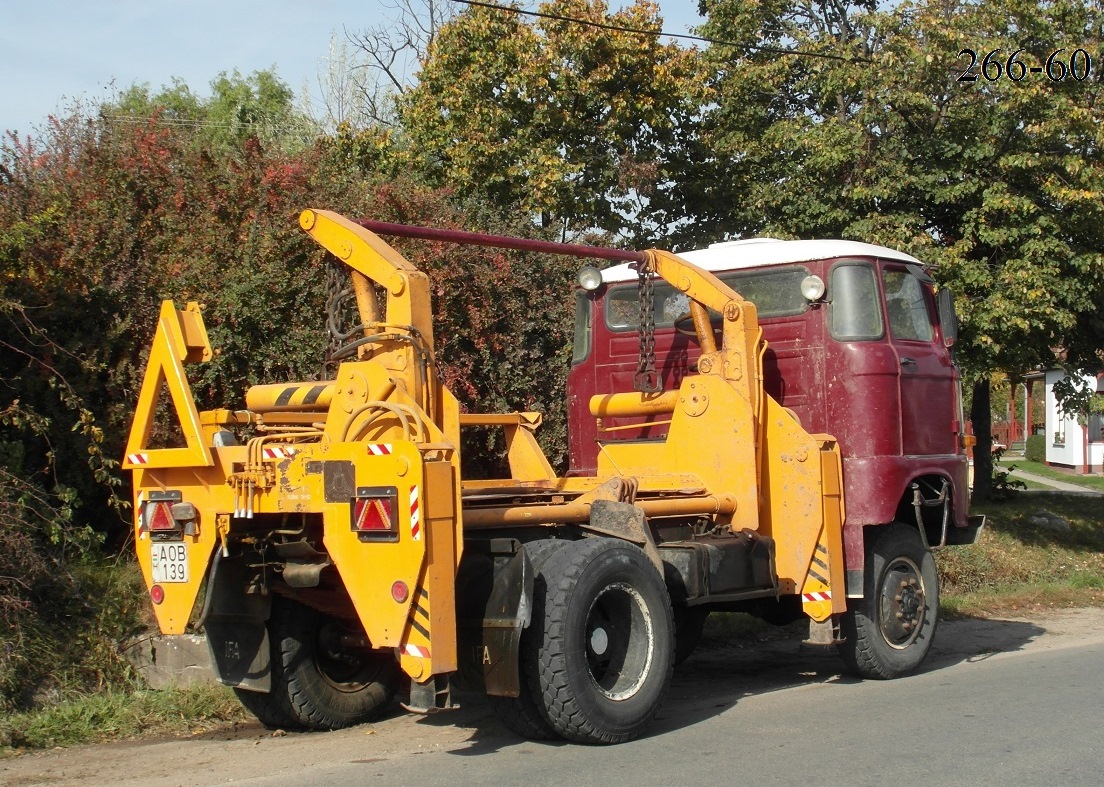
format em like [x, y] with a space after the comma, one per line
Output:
[646, 380]
[338, 295]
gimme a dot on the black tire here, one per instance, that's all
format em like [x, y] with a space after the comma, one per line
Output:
[689, 622]
[608, 641]
[272, 708]
[330, 686]
[524, 714]
[890, 630]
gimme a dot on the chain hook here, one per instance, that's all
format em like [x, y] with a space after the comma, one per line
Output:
[646, 379]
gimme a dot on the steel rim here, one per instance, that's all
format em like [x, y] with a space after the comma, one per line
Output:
[902, 603]
[620, 641]
[346, 669]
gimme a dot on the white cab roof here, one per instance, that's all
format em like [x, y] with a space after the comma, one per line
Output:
[758, 252]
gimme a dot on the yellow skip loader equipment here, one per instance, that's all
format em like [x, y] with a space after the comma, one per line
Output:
[345, 560]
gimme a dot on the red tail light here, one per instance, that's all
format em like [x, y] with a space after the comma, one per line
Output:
[375, 513]
[159, 516]
[157, 513]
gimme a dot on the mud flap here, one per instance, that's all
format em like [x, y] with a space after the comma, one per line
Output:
[964, 536]
[496, 604]
[235, 627]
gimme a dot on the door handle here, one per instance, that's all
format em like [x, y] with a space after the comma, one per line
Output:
[908, 362]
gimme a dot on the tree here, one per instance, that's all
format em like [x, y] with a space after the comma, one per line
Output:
[260, 105]
[393, 52]
[567, 121]
[997, 182]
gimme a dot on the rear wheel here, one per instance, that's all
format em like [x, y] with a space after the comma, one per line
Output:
[330, 684]
[890, 630]
[523, 714]
[272, 708]
[608, 641]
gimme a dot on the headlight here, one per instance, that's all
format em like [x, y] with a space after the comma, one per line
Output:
[812, 287]
[589, 278]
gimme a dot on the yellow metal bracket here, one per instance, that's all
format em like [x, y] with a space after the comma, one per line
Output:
[181, 338]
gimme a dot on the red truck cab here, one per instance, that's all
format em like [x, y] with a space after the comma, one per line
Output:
[862, 351]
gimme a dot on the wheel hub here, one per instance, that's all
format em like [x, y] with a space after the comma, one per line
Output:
[619, 641]
[902, 603]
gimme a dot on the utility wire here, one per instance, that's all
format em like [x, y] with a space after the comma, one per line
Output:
[657, 34]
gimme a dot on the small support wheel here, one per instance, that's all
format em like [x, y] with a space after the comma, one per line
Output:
[890, 630]
[272, 708]
[330, 684]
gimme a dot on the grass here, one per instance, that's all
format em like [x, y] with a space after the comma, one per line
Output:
[115, 714]
[1095, 482]
[1018, 566]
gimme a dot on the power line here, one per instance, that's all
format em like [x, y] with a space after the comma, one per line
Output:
[657, 34]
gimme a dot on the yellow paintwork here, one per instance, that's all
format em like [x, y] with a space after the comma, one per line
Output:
[205, 488]
[181, 337]
[731, 453]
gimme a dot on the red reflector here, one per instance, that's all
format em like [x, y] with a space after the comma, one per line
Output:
[399, 591]
[373, 513]
[157, 594]
[159, 516]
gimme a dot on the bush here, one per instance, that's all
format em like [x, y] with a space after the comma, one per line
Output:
[1035, 448]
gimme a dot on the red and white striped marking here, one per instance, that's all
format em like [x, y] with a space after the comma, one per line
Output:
[138, 459]
[825, 595]
[415, 515]
[417, 651]
[278, 452]
[379, 449]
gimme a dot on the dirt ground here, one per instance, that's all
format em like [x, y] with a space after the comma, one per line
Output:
[728, 671]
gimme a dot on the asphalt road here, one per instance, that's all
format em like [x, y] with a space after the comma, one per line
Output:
[998, 703]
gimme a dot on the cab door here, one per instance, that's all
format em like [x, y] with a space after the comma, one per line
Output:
[927, 375]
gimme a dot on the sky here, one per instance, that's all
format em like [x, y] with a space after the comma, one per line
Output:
[56, 52]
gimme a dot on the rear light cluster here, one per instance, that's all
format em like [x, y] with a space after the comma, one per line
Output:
[165, 514]
[375, 513]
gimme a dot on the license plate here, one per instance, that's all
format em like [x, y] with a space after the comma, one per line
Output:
[170, 562]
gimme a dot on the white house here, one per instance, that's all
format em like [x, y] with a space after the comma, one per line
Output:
[1067, 444]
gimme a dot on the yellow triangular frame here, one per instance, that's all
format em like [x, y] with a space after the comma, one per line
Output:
[181, 338]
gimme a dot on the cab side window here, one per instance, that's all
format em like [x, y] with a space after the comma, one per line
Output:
[905, 307]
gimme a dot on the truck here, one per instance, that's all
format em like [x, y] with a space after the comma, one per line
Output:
[326, 540]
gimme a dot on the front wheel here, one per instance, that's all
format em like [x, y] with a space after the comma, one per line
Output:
[890, 630]
[607, 644]
[330, 684]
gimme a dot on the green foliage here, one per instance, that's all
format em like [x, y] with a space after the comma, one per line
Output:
[258, 106]
[63, 610]
[1077, 395]
[996, 182]
[572, 122]
[1035, 448]
[1003, 485]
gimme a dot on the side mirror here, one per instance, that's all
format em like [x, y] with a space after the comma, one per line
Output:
[948, 317]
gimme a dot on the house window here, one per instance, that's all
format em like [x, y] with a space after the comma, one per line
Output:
[1096, 428]
[1060, 435]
